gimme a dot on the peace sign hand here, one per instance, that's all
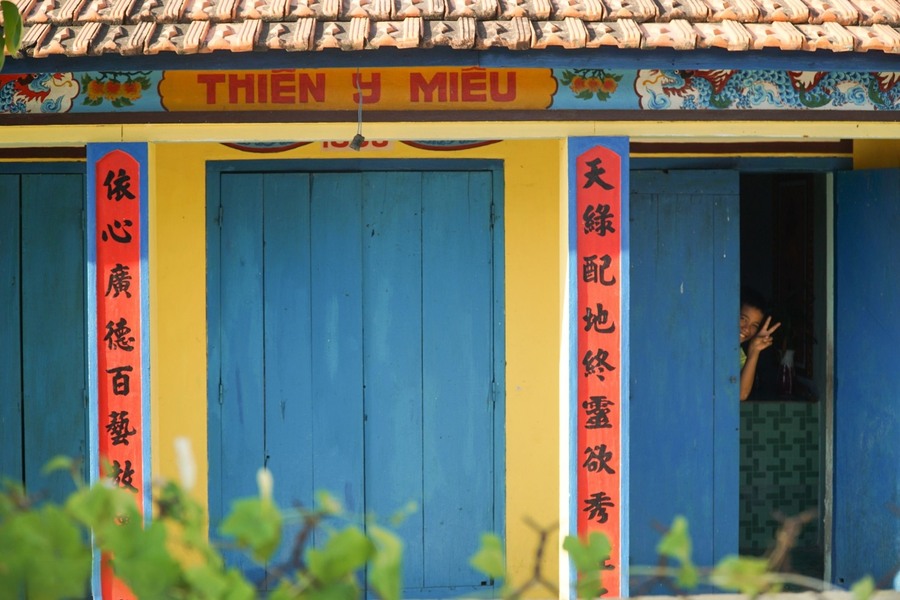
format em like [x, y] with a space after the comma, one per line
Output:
[763, 338]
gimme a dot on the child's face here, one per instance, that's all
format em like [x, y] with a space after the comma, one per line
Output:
[751, 319]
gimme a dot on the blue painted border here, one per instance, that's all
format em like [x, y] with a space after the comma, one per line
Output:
[214, 170]
[577, 146]
[94, 153]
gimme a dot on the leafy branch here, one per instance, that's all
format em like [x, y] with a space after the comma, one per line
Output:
[10, 31]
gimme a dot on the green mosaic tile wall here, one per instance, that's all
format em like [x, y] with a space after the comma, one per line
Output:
[779, 470]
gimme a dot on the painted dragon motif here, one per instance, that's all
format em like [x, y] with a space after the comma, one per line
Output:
[767, 90]
[37, 93]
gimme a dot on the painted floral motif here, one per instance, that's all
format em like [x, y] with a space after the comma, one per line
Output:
[37, 93]
[587, 83]
[119, 89]
[767, 90]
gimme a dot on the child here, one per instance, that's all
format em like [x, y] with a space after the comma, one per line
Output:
[758, 333]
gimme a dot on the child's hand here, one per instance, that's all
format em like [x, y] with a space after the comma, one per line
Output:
[763, 338]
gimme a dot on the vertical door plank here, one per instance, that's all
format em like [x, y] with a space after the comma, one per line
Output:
[337, 337]
[392, 303]
[240, 440]
[684, 291]
[53, 336]
[457, 368]
[866, 406]
[288, 367]
[10, 332]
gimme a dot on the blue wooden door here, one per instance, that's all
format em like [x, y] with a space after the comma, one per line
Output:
[42, 327]
[866, 403]
[353, 348]
[684, 360]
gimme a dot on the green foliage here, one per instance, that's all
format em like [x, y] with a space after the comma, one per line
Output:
[676, 543]
[11, 31]
[744, 574]
[46, 552]
[589, 558]
[489, 558]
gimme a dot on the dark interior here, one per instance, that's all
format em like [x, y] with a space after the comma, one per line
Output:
[783, 256]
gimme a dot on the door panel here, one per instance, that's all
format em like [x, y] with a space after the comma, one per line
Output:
[866, 406]
[351, 319]
[684, 355]
[10, 330]
[42, 337]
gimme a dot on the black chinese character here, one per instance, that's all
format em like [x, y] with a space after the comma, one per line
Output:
[118, 187]
[597, 409]
[598, 459]
[122, 238]
[123, 477]
[596, 321]
[117, 336]
[598, 219]
[121, 382]
[595, 363]
[593, 175]
[594, 272]
[118, 428]
[597, 505]
[119, 281]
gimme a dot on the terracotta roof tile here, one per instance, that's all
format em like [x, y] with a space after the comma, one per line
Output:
[586, 10]
[780, 35]
[876, 37]
[150, 27]
[730, 35]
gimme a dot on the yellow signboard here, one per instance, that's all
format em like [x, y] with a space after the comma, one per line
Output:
[471, 88]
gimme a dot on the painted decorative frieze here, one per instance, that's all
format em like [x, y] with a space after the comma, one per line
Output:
[460, 89]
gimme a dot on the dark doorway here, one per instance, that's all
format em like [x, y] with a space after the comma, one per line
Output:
[784, 241]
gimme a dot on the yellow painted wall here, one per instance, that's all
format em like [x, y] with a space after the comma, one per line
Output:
[534, 260]
[876, 154]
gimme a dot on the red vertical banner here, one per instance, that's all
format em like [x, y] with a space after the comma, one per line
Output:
[117, 201]
[598, 460]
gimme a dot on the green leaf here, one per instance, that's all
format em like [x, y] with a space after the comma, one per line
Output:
[12, 26]
[328, 504]
[864, 588]
[677, 541]
[747, 575]
[385, 570]
[589, 556]
[489, 558]
[343, 553]
[44, 541]
[255, 524]
[147, 566]
[58, 463]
